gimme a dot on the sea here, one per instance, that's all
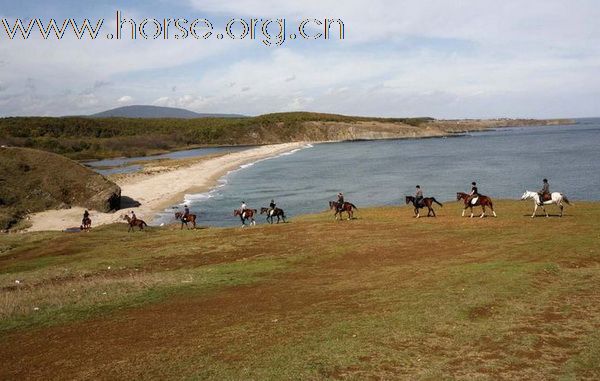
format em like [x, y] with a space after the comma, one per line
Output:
[504, 162]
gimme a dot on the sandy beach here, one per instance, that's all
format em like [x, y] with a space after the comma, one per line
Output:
[155, 192]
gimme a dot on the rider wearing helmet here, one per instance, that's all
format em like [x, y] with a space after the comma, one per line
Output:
[544, 191]
[133, 216]
[243, 208]
[474, 192]
[272, 207]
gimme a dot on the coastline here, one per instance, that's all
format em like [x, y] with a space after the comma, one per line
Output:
[155, 192]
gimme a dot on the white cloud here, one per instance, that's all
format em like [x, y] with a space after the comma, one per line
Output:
[125, 99]
[431, 57]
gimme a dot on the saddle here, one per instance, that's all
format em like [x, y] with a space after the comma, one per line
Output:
[474, 201]
[546, 197]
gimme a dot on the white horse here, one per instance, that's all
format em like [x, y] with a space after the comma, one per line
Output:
[557, 198]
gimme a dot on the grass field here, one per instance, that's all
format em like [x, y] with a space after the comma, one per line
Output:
[382, 297]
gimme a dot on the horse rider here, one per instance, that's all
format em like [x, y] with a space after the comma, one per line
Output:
[243, 208]
[340, 201]
[133, 216]
[186, 213]
[544, 191]
[418, 196]
[474, 193]
[86, 215]
[272, 207]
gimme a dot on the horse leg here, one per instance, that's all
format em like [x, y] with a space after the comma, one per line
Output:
[482, 211]
[544, 209]
[416, 213]
[471, 211]
[432, 211]
[561, 209]
[535, 207]
[463, 212]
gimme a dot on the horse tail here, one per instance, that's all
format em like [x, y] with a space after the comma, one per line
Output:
[436, 201]
[353, 206]
[565, 199]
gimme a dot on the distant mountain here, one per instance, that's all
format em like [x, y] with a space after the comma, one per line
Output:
[155, 112]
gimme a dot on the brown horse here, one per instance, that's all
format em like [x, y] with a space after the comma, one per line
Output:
[427, 202]
[248, 214]
[279, 213]
[86, 224]
[480, 200]
[132, 223]
[190, 218]
[347, 207]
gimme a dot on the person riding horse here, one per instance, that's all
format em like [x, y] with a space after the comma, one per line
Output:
[133, 216]
[474, 193]
[544, 191]
[186, 213]
[86, 215]
[243, 208]
[418, 196]
[272, 207]
[340, 206]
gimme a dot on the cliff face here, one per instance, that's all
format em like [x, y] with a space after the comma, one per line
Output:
[373, 130]
[33, 181]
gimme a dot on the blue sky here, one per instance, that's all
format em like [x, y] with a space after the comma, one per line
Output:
[446, 59]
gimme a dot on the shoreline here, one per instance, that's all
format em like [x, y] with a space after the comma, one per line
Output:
[156, 192]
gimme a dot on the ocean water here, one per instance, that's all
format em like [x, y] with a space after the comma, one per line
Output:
[504, 162]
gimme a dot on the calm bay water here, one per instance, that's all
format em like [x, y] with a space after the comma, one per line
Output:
[504, 163]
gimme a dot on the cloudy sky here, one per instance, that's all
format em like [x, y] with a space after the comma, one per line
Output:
[440, 58]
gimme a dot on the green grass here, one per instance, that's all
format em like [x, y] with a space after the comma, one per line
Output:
[381, 297]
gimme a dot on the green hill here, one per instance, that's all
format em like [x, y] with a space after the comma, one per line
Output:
[33, 181]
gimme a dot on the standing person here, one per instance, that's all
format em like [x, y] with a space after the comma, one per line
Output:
[340, 201]
[474, 192]
[272, 205]
[544, 191]
[418, 196]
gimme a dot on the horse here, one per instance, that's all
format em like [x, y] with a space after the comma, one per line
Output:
[132, 223]
[190, 218]
[86, 224]
[480, 200]
[248, 214]
[555, 198]
[279, 213]
[348, 207]
[426, 202]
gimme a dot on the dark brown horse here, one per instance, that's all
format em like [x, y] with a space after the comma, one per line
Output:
[279, 213]
[133, 223]
[248, 214]
[190, 218]
[426, 202]
[348, 207]
[480, 200]
[86, 224]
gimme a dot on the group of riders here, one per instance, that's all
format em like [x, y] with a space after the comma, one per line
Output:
[544, 195]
